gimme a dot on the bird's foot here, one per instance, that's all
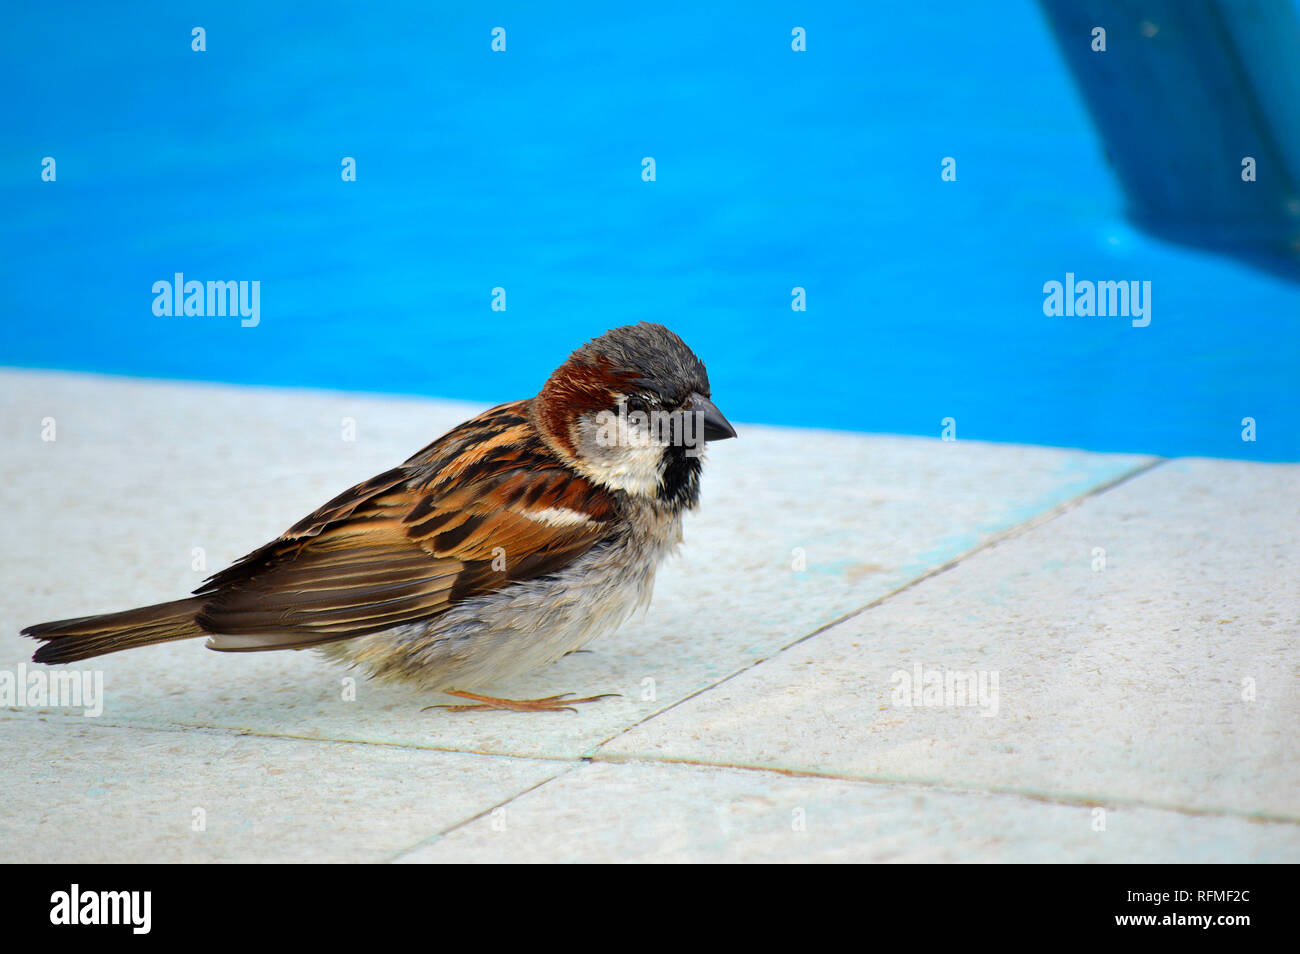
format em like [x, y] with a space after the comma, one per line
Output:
[560, 703]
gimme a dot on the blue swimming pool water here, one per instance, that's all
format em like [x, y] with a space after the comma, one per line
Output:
[522, 170]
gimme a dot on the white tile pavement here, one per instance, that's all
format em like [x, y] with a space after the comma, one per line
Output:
[645, 812]
[78, 791]
[1101, 700]
[1166, 678]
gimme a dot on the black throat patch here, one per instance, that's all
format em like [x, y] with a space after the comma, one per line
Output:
[681, 484]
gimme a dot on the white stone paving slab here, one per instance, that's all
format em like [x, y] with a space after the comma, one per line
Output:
[1168, 677]
[78, 792]
[108, 516]
[662, 813]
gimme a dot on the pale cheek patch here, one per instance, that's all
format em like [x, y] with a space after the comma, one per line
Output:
[633, 466]
[632, 469]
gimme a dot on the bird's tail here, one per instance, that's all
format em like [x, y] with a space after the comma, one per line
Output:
[68, 640]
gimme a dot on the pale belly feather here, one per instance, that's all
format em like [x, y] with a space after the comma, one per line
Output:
[486, 640]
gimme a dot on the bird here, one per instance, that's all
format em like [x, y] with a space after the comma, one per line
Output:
[514, 539]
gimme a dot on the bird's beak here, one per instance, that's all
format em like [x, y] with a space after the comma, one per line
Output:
[716, 427]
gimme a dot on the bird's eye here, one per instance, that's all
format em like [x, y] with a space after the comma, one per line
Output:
[635, 403]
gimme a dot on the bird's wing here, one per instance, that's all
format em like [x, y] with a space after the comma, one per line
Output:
[485, 505]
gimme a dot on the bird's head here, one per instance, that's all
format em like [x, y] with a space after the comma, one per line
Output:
[631, 410]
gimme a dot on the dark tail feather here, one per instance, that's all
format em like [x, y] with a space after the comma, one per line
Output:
[71, 639]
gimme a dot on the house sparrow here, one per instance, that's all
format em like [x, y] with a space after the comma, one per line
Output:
[517, 537]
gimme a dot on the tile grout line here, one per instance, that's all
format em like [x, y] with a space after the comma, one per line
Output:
[232, 732]
[958, 788]
[1010, 533]
[437, 836]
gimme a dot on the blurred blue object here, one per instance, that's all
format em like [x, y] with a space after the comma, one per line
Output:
[1197, 102]
[522, 170]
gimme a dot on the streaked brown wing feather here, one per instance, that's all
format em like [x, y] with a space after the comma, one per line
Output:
[451, 523]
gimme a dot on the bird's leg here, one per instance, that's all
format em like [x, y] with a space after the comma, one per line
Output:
[560, 703]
